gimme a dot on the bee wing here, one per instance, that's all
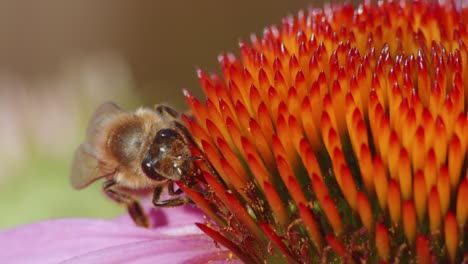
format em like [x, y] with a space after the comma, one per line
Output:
[98, 121]
[86, 167]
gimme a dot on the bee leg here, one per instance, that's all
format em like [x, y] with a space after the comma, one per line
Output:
[172, 202]
[169, 202]
[188, 136]
[164, 109]
[138, 215]
[182, 129]
[210, 168]
[157, 194]
[172, 192]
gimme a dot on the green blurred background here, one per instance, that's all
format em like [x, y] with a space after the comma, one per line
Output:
[60, 59]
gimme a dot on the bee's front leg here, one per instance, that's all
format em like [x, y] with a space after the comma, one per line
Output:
[182, 129]
[164, 109]
[111, 189]
[169, 202]
[171, 191]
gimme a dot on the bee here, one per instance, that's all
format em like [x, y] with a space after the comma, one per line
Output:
[136, 154]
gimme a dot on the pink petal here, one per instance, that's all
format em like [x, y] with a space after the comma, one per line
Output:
[174, 239]
[191, 249]
[181, 215]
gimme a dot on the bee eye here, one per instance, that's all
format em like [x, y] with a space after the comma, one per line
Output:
[165, 134]
[149, 166]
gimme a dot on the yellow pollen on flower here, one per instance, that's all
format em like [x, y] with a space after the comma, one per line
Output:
[341, 135]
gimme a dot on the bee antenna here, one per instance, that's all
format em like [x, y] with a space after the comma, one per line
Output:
[210, 168]
[188, 136]
[164, 109]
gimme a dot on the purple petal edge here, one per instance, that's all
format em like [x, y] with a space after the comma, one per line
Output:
[173, 239]
[171, 216]
[190, 249]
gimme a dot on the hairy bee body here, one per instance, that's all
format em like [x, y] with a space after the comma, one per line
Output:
[136, 154]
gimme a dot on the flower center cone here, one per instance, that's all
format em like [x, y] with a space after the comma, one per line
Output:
[339, 135]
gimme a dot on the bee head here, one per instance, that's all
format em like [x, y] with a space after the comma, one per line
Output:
[168, 157]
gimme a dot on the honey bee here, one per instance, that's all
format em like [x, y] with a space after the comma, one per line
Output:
[136, 154]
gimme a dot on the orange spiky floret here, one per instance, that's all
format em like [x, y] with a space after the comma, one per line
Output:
[341, 135]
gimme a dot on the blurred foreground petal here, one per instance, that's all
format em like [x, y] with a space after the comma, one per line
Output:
[175, 239]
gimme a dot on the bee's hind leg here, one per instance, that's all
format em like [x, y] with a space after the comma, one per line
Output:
[137, 213]
[173, 202]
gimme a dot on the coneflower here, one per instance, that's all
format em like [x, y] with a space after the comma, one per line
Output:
[340, 135]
